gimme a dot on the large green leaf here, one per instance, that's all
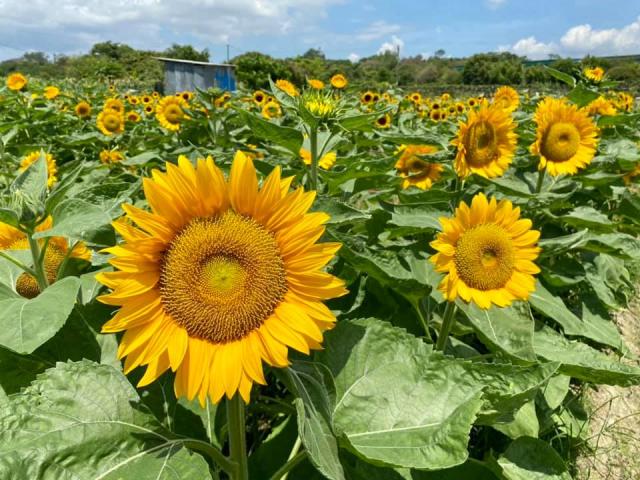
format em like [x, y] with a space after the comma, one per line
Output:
[83, 421]
[532, 459]
[77, 220]
[287, 137]
[27, 324]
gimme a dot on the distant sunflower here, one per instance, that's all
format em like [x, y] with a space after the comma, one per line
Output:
[414, 170]
[218, 277]
[472, 102]
[133, 100]
[566, 137]
[487, 253]
[110, 122]
[601, 106]
[460, 107]
[486, 142]
[57, 249]
[445, 97]
[187, 96]
[146, 99]
[111, 156]
[315, 83]
[287, 87]
[435, 115]
[366, 97]
[507, 98]
[384, 121]
[16, 81]
[271, 109]
[149, 109]
[170, 112]
[594, 74]
[133, 116]
[436, 106]
[52, 166]
[415, 97]
[339, 81]
[327, 161]
[114, 104]
[51, 92]
[83, 109]
[259, 97]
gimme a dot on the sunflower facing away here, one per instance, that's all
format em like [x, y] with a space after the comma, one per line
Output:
[16, 81]
[315, 83]
[507, 98]
[57, 249]
[486, 142]
[414, 170]
[566, 137]
[327, 161]
[110, 122]
[287, 87]
[83, 110]
[219, 276]
[487, 252]
[52, 166]
[170, 112]
[51, 92]
[339, 81]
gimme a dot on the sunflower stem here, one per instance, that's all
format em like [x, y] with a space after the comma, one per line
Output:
[447, 324]
[237, 437]
[18, 263]
[38, 257]
[212, 452]
[541, 174]
[313, 138]
[290, 465]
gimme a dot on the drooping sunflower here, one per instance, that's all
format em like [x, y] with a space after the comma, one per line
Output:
[315, 83]
[219, 276]
[507, 98]
[51, 92]
[486, 142]
[271, 109]
[327, 161]
[384, 121]
[52, 166]
[416, 171]
[259, 97]
[595, 73]
[110, 122]
[170, 112]
[287, 87]
[83, 109]
[57, 250]
[566, 137]
[487, 252]
[111, 156]
[16, 81]
[114, 104]
[339, 81]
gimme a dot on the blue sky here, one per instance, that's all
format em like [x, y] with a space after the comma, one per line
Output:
[341, 28]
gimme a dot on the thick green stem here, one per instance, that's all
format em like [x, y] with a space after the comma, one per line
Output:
[447, 323]
[213, 453]
[18, 263]
[313, 138]
[290, 465]
[541, 174]
[237, 437]
[38, 262]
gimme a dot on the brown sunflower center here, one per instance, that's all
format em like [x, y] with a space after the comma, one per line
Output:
[561, 142]
[26, 284]
[481, 144]
[222, 277]
[173, 113]
[485, 257]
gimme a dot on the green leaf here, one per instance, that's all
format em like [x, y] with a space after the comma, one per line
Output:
[563, 77]
[418, 218]
[27, 324]
[274, 451]
[340, 212]
[581, 361]
[287, 137]
[361, 121]
[524, 423]
[509, 329]
[33, 181]
[582, 96]
[83, 420]
[76, 219]
[532, 459]
[587, 217]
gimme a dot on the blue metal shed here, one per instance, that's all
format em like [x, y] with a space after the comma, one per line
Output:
[181, 75]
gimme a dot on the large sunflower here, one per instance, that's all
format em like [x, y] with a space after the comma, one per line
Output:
[110, 122]
[486, 142]
[566, 137]
[487, 252]
[507, 98]
[52, 166]
[219, 276]
[414, 170]
[170, 112]
[57, 250]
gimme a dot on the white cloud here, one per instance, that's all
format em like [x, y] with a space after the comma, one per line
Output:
[582, 40]
[354, 57]
[71, 26]
[495, 3]
[395, 45]
[377, 30]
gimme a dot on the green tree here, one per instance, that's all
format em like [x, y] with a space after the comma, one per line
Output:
[186, 52]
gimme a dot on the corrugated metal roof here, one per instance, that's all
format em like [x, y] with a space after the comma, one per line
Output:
[193, 62]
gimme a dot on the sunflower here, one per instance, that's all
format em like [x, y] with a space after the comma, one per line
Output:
[415, 97]
[366, 97]
[315, 84]
[133, 116]
[188, 96]
[114, 104]
[507, 98]
[327, 161]
[472, 102]
[487, 252]
[259, 97]
[445, 97]
[155, 95]
[486, 142]
[16, 81]
[52, 166]
[460, 107]
[111, 156]
[566, 137]
[595, 73]
[83, 109]
[414, 170]
[149, 109]
[110, 122]
[339, 81]
[51, 92]
[384, 121]
[170, 112]
[271, 109]
[435, 115]
[319, 105]
[452, 110]
[147, 99]
[57, 250]
[601, 106]
[287, 87]
[219, 276]
[436, 106]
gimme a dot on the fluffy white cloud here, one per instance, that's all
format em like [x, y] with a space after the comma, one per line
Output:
[583, 40]
[354, 57]
[393, 46]
[71, 26]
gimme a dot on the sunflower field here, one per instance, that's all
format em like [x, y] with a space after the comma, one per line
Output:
[311, 282]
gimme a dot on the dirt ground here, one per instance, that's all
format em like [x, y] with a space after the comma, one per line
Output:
[613, 451]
